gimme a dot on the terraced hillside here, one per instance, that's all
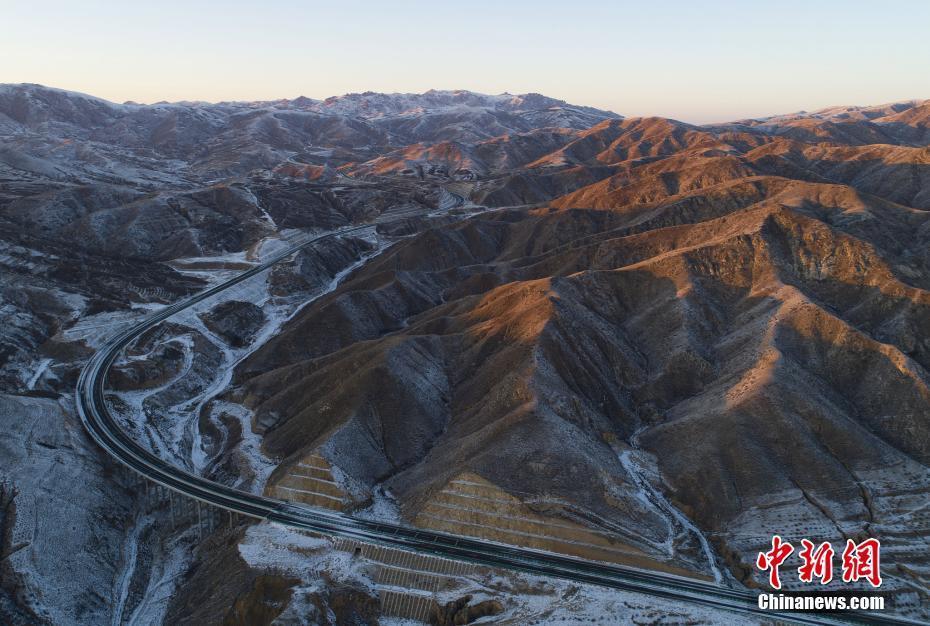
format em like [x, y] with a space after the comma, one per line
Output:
[630, 340]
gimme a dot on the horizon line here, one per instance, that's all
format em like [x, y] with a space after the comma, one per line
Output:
[913, 101]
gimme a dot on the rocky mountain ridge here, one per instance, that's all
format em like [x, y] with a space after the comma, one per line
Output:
[650, 342]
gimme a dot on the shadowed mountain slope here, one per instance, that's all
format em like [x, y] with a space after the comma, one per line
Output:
[753, 340]
[632, 340]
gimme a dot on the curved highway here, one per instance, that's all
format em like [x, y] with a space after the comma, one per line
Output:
[105, 430]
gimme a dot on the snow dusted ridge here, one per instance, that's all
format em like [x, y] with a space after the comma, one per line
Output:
[372, 105]
[635, 464]
[367, 105]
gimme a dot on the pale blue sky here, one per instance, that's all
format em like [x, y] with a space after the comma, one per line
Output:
[698, 61]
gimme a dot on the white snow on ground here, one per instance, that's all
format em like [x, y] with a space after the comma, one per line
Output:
[287, 237]
[383, 508]
[536, 600]
[167, 570]
[260, 252]
[526, 599]
[130, 556]
[40, 369]
[68, 527]
[178, 429]
[282, 549]
[135, 419]
[277, 315]
[275, 546]
[249, 450]
[636, 464]
[175, 434]
[258, 204]
[95, 330]
[213, 259]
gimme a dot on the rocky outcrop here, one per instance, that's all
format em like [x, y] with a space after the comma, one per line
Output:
[461, 611]
[236, 322]
[346, 604]
[262, 603]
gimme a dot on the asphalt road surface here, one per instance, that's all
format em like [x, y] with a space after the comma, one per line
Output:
[105, 430]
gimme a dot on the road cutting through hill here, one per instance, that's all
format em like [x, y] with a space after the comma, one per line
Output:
[105, 430]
